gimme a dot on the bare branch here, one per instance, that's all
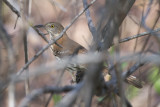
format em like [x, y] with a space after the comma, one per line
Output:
[11, 95]
[5, 38]
[26, 60]
[138, 35]
[114, 17]
[90, 23]
[146, 15]
[60, 65]
[45, 90]
[90, 58]
[54, 2]
[144, 23]
[132, 70]
[12, 8]
[71, 97]
[40, 33]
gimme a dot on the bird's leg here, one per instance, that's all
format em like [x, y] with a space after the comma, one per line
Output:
[71, 68]
[77, 72]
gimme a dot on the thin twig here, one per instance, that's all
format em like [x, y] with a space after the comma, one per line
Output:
[41, 34]
[52, 42]
[6, 40]
[12, 8]
[85, 59]
[26, 60]
[90, 23]
[16, 22]
[57, 84]
[54, 2]
[71, 97]
[138, 35]
[132, 69]
[135, 45]
[89, 89]
[60, 65]
[146, 15]
[11, 95]
[45, 90]
[24, 10]
[145, 26]
[29, 7]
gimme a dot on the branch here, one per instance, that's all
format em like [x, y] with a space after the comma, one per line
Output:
[90, 23]
[132, 69]
[86, 59]
[54, 2]
[113, 18]
[52, 42]
[116, 11]
[45, 90]
[144, 23]
[40, 33]
[25, 43]
[58, 65]
[138, 35]
[146, 15]
[71, 97]
[10, 59]
[12, 8]
[43, 35]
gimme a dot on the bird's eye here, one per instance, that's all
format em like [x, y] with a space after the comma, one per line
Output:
[52, 26]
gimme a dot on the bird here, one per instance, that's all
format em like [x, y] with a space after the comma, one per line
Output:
[66, 47]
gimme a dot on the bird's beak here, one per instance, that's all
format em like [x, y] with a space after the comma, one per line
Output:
[39, 26]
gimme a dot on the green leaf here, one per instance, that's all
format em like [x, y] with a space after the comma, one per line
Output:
[157, 86]
[124, 65]
[154, 74]
[132, 92]
[112, 50]
[56, 98]
[100, 99]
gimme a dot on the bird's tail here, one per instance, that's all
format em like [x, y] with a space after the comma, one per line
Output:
[134, 81]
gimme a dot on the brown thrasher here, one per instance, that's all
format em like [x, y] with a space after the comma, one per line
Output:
[65, 46]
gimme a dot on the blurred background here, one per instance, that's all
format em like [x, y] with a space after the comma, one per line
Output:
[63, 11]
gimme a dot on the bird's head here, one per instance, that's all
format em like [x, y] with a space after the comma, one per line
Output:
[54, 28]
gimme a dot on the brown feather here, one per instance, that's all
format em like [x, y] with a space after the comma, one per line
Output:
[134, 81]
[68, 46]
